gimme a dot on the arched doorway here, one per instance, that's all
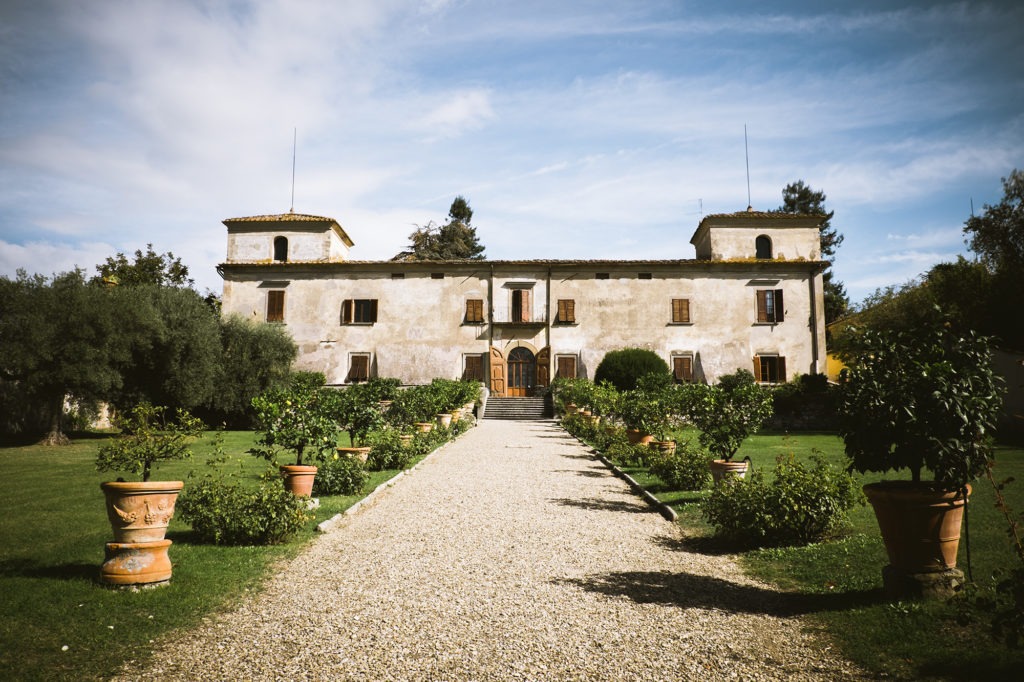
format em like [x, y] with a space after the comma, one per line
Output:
[522, 372]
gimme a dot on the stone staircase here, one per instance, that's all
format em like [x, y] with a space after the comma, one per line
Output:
[518, 408]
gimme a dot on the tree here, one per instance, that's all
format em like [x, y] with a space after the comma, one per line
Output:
[798, 197]
[455, 240]
[162, 269]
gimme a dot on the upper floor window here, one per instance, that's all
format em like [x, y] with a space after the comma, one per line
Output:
[770, 309]
[566, 311]
[359, 311]
[565, 367]
[601, 275]
[275, 306]
[680, 311]
[520, 305]
[763, 246]
[643, 275]
[474, 310]
[473, 367]
[281, 249]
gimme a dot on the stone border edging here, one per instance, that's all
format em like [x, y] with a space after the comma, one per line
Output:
[666, 511]
[333, 522]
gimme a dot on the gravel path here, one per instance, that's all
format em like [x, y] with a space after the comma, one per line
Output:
[511, 554]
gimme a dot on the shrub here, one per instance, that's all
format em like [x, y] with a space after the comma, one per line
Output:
[800, 505]
[623, 368]
[228, 513]
[387, 452]
[729, 412]
[340, 475]
[685, 469]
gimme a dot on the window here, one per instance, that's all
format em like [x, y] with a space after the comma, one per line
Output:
[763, 246]
[281, 249]
[566, 311]
[520, 305]
[682, 369]
[397, 275]
[473, 367]
[770, 309]
[358, 368]
[474, 311]
[565, 367]
[680, 311]
[601, 275]
[359, 311]
[437, 275]
[643, 275]
[770, 369]
[275, 306]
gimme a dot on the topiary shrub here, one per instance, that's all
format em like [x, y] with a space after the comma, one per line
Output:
[685, 469]
[340, 475]
[800, 505]
[623, 368]
[227, 513]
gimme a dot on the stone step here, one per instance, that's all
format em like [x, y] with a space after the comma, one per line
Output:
[517, 408]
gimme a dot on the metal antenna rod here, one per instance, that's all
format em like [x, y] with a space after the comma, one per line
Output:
[295, 139]
[746, 152]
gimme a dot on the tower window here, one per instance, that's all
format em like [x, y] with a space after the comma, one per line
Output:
[763, 246]
[281, 249]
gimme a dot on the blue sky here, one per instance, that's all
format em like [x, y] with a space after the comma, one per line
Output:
[596, 129]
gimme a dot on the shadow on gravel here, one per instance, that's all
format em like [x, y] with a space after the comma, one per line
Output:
[589, 473]
[698, 544]
[704, 592]
[596, 504]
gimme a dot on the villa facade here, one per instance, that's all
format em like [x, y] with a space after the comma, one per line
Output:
[751, 298]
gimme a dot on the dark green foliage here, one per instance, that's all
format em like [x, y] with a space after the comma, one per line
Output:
[158, 269]
[808, 402]
[229, 513]
[684, 469]
[455, 240]
[729, 412]
[306, 381]
[923, 399]
[623, 368]
[340, 475]
[297, 421]
[799, 505]
[387, 451]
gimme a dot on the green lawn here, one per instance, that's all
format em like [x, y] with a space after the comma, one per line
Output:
[53, 527]
[840, 582]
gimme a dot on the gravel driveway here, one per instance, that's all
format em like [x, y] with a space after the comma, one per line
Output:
[511, 554]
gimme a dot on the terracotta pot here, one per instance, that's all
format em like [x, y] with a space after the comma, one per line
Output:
[586, 413]
[571, 408]
[298, 479]
[385, 405]
[444, 419]
[920, 524]
[720, 468]
[140, 512]
[406, 439]
[424, 427]
[665, 447]
[637, 438]
[136, 563]
[362, 454]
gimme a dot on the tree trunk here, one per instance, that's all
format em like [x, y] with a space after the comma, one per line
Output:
[55, 435]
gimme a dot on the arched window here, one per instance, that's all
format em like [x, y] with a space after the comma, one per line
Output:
[763, 246]
[281, 248]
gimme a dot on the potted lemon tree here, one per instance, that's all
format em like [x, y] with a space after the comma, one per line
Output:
[925, 402]
[139, 511]
[726, 415]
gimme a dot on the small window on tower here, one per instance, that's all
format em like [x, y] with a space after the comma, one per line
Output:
[281, 249]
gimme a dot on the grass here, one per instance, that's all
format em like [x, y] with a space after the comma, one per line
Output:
[56, 621]
[840, 581]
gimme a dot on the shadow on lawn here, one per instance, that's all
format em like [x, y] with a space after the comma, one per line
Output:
[696, 591]
[27, 568]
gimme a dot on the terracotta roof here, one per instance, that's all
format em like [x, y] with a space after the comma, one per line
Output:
[394, 265]
[281, 218]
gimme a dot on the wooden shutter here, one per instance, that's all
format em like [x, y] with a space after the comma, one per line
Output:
[757, 369]
[474, 310]
[346, 311]
[680, 310]
[474, 370]
[359, 368]
[762, 306]
[524, 305]
[497, 372]
[566, 311]
[373, 310]
[682, 369]
[780, 309]
[782, 370]
[544, 367]
[275, 306]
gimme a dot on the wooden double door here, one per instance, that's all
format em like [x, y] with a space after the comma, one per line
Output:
[517, 375]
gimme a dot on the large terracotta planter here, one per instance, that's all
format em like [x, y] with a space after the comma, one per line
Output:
[571, 408]
[298, 479]
[406, 439]
[444, 419]
[637, 438]
[664, 447]
[140, 511]
[920, 524]
[720, 468]
[136, 563]
[424, 427]
[362, 454]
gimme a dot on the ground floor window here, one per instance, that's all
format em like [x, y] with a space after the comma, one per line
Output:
[473, 367]
[358, 368]
[682, 369]
[770, 369]
[275, 306]
[565, 366]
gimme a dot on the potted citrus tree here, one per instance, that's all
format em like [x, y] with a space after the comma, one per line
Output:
[726, 415]
[295, 421]
[925, 402]
[139, 511]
